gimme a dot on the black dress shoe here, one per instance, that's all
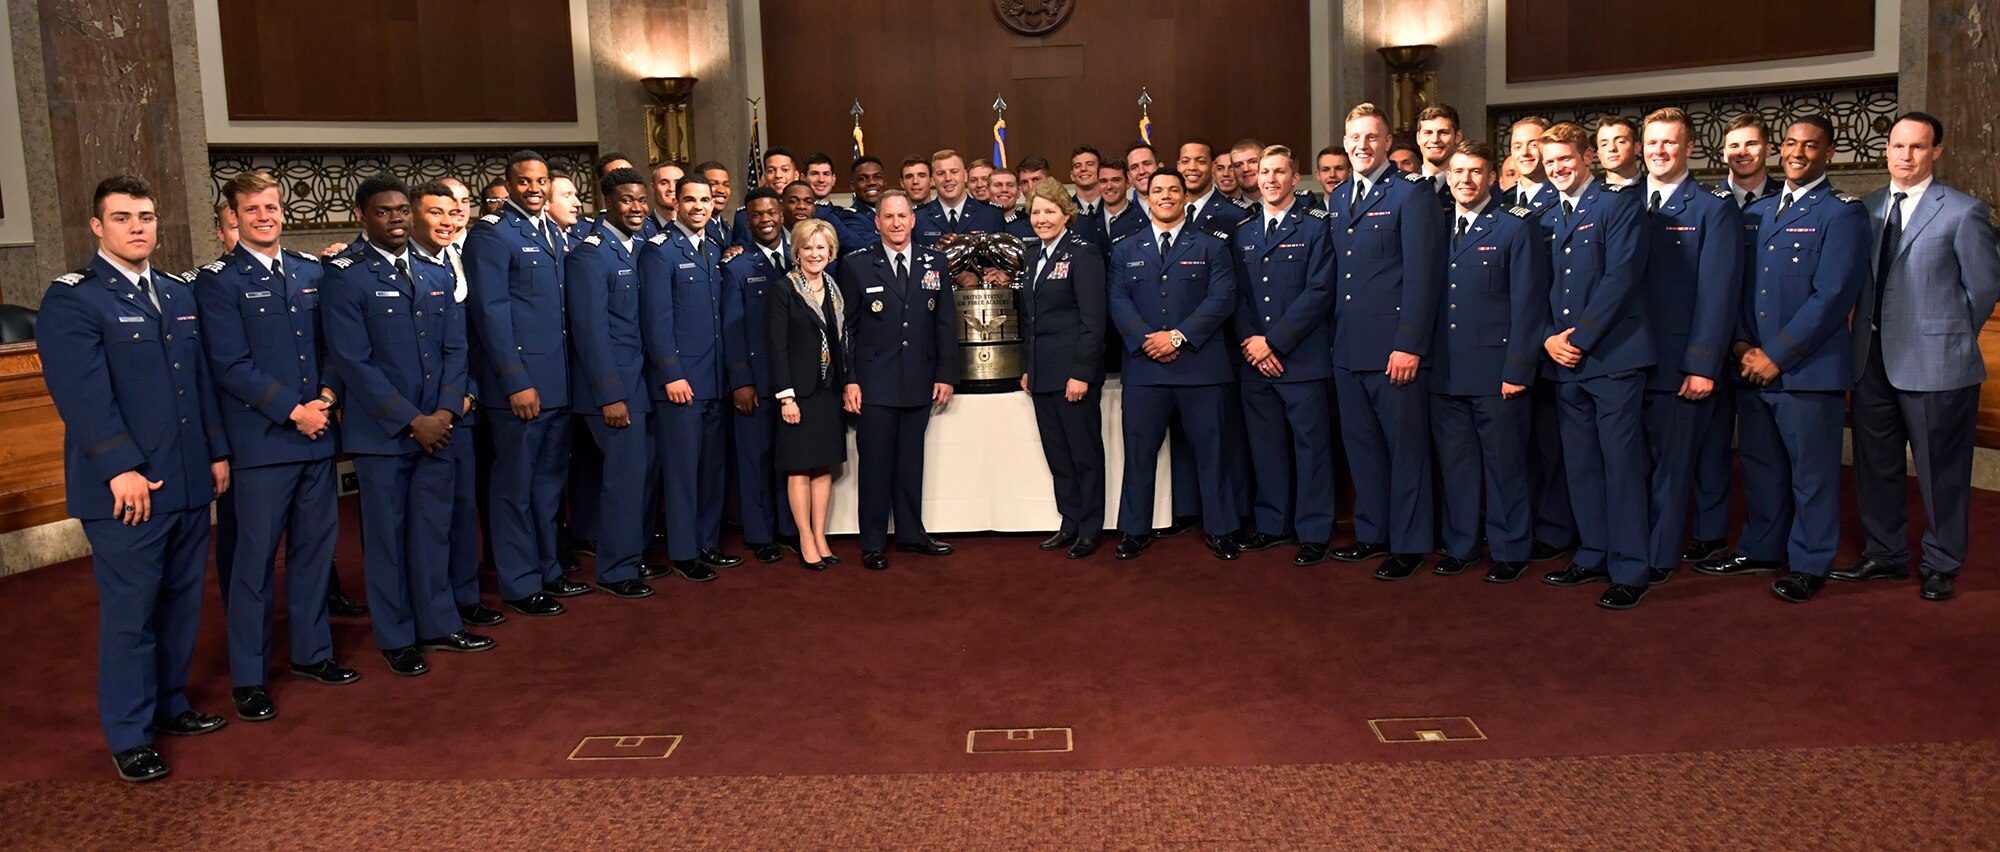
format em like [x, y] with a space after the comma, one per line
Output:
[1261, 541]
[564, 587]
[1505, 572]
[1699, 550]
[1543, 552]
[694, 569]
[626, 589]
[406, 661]
[1058, 541]
[927, 547]
[537, 604]
[1870, 569]
[1735, 564]
[875, 560]
[1451, 566]
[191, 723]
[830, 559]
[1310, 553]
[1361, 551]
[582, 545]
[328, 672]
[1657, 576]
[767, 552]
[714, 558]
[139, 765]
[1621, 596]
[1575, 575]
[1939, 587]
[343, 606]
[1225, 547]
[1798, 587]
[1083, 548]
[253, 704]
[460, 642]
[1131, 546]
[1399, 566]
[813, 566]
[652, 571]
[478, 615]
[1180, 524]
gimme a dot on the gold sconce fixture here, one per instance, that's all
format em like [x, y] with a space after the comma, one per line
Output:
[1411, 87]
[667, 135]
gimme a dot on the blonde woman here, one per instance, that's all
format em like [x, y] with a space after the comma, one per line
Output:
[806, 320]
[1063, 304]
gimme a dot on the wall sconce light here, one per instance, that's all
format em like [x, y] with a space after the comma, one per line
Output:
[667, 136]
[1411, 87]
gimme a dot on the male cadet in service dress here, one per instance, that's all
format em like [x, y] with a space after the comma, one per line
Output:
[1600, 342]
[1487, 357]
[1284, 294]
[680, 309]
[954, 211]
[144, 453]
[902, 329]
[608, 378]
[260, 322]
[1387, 233]
[518, 325]
[397, 339]
[1809, 266]
[747, 279]
[1692, 290]
[1213, 213]
[1172, 291]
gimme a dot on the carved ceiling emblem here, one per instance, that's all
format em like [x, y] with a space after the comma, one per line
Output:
[1033, 17]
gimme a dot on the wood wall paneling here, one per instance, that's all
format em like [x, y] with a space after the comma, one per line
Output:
[398, 60]
[1555, 39]
[1964, 62]
[31, 435]
[926, 74]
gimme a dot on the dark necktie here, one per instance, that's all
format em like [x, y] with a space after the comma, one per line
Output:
[278, 272]
[1569, 209]
[1653, 206]
[1892, 237]
[952, 217]
[902, 274]
[1455, 238]
[403, 269]
[1784, 203]
[1271, 230]
[549, 236]
[1745, 199]
[1166, 244]
[146, 291]
[1360, 189]
[1190, 213]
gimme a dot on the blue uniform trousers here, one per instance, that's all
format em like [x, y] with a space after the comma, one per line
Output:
[530, 461]
[299, 501]
[1484, 437]
[148, 612]
[1292, 455]
[1387, 432]
[406, 505]
[1675, 429]
[1203, 410]
[1791, 442]
[1604, 448]
[1555, 521]
[1073, 443]
[690, 449]
[1715, 465]
[586, 483]
[624, 471]
[466, 531]
[889, 441]
[760, 500]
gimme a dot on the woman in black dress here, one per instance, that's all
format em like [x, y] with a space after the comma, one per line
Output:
[809, 368]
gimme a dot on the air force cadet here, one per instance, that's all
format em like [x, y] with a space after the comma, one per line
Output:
[747, 281]
[1916, 345]
[1284, 293]
[1486, 359]
[1809, 266]
[396, 337]
[144, 453]
[954, 211]
[260, 321]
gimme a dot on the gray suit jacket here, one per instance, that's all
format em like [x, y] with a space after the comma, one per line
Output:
[1938, 294]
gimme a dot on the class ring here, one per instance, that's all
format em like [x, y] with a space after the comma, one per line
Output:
[129, 507]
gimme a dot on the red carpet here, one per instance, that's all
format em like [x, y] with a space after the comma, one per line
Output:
[1175, 660]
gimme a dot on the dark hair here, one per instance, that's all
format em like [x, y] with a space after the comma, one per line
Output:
[1814, 119]
[685, 180]
[1086, 149]
[525, 155]
[605, 159]
[608, 185]
[1437, 111]
[818, 159]
[1617, 121]
[1405, 145]
[1033, 163]
[1114, 165]
[914, 160]
[706, 166]
[493, 185]
[1937, 127]
[1750, 120]
[1330, 149]
[863, 160]
[779, 151]
[431, 188]
[131, 185]
[559, 174]
[763, 192]
[1166, 173]
[1141, 146]
[1481, 151]
[788, 187]
[371, 187]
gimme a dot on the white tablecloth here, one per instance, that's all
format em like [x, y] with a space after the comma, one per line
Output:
[984, 469]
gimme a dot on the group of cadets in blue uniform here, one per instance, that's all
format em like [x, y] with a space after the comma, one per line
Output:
[1417, 316]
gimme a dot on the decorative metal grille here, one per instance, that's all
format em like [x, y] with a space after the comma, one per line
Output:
[319, 183]
[1861, 112]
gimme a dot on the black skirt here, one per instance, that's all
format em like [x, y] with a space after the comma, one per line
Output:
[820, 437]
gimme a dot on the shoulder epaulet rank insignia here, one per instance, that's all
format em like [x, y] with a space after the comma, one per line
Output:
[187, 277]
[343, 262]
[73, 278]
[1845, 198]
[1127, 236]
[216, 267]
[1723, 194]
[1316, 212]
[430, 260]
[1520, 212]
[1615, 187]
[490, 218]
[1413, 177]
[594, 239]
[1243, 203]
[302, 255]
[658, 239]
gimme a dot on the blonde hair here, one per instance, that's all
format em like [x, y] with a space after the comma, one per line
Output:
[1367, 110]
[1051, 190]
[944, 155]
[246, 183]
[1567, 133]
[805, 230]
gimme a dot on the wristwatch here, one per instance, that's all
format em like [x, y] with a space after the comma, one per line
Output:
[1177, 338]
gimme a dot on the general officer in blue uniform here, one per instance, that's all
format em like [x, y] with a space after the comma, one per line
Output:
[1691, 288]
[260, 320]
[1173, 289]
[1487, 356]
[1284, 299]
[680, 309]
[396, 336]
[1810, 265]
[1600, 342]
[144, 453]
[1386, 236]
[1063, 342]
[607, 375]
[747, 279]
[520, 335]
[901, 325]
[954, 210]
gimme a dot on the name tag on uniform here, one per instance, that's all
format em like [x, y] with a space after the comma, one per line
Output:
[932, 233]
[624, 272]
[755, 280]
[1130, 264]
[260, 294]
[131, 319]
[387, 293]
[872, 290]
[685, 266]
[530, 250]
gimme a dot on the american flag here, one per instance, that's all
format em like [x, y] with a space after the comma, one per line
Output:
[755, 169]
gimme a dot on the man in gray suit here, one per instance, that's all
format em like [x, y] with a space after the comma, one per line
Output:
[1916, 346]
